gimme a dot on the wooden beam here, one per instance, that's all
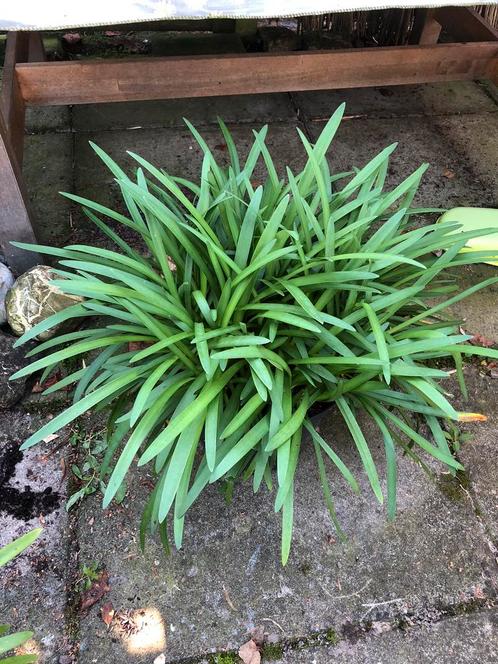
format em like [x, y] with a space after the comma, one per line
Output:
[426, 29]
[15, 221]
[11, 101]
[465, 24]
[84, 82]
[36, 48]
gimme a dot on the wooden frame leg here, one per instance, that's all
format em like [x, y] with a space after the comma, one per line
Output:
[11, 101]
[15, 222]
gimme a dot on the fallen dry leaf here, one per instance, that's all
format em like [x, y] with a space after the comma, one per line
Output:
[138, 345]
[62, 464]
[38, 387]
[249, 653]
[479, 340]
[449, 174]
[97, 590]
[107, 613]
[50, 437]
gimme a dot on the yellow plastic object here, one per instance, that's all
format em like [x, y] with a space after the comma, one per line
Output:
[472, 219]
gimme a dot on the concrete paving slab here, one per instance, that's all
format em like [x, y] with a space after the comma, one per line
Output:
[436, 553]
[431, 99]
[474, 141]
[437, 556]
[173, 150]
[257, 109]
[479, 312]
[460, 640]
[450, 181]
[228, 578]
[43, 119]
[479, 455]
[32, 494]
[47, 168]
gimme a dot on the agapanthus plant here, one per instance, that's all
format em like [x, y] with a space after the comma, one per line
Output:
[252, 306]
[12, 642]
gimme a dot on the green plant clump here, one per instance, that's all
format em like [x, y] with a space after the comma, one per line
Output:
[251, 306]
[9, 642]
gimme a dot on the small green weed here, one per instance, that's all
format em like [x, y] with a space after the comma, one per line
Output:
[225, 658]
[272, 651]
[91, 470]
[89, 574]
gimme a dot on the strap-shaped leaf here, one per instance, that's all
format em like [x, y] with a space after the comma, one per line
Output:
[362, 447]
[179, 423]
[13, 549]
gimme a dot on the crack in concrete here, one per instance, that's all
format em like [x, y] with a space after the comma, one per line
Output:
[353, 632]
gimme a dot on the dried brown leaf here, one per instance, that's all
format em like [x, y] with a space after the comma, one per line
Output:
[97, 590]
[39, 387]
[50, 437]
[249, 653]
[480, 340]
[107, 613]
[138, 345]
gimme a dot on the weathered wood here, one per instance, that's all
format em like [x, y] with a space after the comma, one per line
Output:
[14, 215]
[83, 82]
[11, 101]
[426, 29]
[36, 48]
[419, 18]
[465, 24]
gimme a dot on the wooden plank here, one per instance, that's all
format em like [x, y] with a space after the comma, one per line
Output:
[419, 19]
[83, 82]
[14, 213]
[465, 24]
[426, 29]
[36, 48]
[11, 101]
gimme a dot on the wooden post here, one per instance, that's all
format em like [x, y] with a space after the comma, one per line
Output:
[15, 223]
[36, 52]
[11, 101]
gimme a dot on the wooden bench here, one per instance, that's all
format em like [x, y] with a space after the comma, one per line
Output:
[29, 80]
